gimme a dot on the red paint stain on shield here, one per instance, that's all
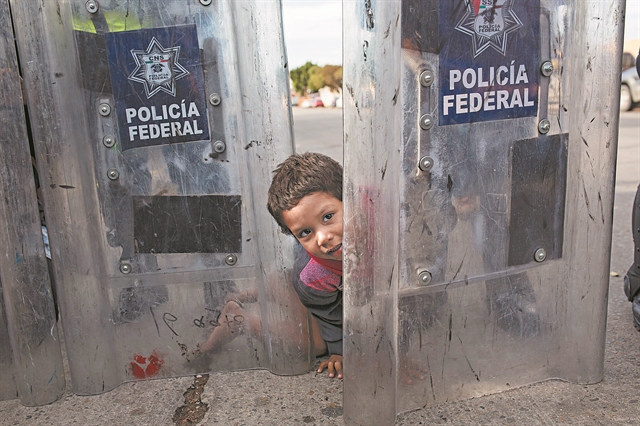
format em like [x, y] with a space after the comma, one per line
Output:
[146, 367]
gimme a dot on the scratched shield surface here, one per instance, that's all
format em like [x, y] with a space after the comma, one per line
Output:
[158, 133]
[486, 272]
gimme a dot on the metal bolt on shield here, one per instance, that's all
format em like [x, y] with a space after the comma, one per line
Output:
[426, 78]
[91, 6]
[424, 277]
[426, 163]
[125, 268]
[113, 174]
[544, 126]
[546, 68]
[219, 147]
[205, 2]
[540, 255]
[231, 259]
[105, 109]
[109, 141]
[215, 99]
[426, 122]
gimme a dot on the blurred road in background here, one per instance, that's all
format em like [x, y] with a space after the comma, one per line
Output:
[318, 130]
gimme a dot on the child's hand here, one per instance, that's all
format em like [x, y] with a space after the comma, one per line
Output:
[333, 364]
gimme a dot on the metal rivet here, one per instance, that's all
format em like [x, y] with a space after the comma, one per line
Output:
[426, 78]
[92, 6]
[426, 163]
[105, 109]
[540, 255]
[125, 268]
[113, 174]
[231, 259]
[215, 99]
[544, 126]
[109, 141]
[219, 147]
[546, 68]
[424, 277]
[205, 2]
[426, 122]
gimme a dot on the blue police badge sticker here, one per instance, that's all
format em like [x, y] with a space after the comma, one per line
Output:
[489, 23]
[158, 86]
[489, 60]
[158, 68]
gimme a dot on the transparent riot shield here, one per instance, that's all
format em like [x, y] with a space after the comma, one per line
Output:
[157, 124]
[30, 358]
[479, 162]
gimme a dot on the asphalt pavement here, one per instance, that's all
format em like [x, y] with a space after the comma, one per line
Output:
[261, 398]
[319, 130]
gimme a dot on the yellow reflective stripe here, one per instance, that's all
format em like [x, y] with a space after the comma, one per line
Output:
[84, 25]
[118, 20]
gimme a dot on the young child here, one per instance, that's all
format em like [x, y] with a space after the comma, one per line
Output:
[305, 198]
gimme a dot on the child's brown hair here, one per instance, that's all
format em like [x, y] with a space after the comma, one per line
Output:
[301, 175]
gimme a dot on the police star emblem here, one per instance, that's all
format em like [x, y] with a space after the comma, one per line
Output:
[157, 68]
[489, 23]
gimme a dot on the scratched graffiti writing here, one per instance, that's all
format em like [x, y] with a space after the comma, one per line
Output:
[230, 320]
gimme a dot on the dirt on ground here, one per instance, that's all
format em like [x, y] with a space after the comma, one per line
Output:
[193, 410]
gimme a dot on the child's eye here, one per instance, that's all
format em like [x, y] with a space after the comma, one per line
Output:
[327, 217]
[304, 233]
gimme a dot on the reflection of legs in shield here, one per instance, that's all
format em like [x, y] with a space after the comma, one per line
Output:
[511, 299]
[418, 314]
[632, 278]
[514, 303]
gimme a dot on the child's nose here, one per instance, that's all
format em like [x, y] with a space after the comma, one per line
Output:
[323, 237]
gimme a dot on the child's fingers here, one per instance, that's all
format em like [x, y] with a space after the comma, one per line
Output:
[338, 366]
[332, 371]
[332, 367]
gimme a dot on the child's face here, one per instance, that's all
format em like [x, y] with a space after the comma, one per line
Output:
[316, 221]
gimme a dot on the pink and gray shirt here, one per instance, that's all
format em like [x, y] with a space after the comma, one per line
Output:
[318, 283]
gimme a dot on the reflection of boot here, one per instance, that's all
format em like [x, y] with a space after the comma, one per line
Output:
[632, 290]
[636, 312]
[514, 304]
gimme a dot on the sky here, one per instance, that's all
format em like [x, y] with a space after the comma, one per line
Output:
[632, 24]
[313, 30]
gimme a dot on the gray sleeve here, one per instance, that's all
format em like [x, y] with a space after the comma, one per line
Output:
[325, 306]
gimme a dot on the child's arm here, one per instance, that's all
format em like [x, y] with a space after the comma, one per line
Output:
[334, 363]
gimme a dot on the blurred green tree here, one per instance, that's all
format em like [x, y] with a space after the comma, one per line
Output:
[310, 77]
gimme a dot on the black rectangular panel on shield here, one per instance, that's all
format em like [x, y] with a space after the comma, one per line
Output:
[539, 180]
[188, 224]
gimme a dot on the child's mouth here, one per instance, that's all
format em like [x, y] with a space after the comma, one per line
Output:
[335, 249]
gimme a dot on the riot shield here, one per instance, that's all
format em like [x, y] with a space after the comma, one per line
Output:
[156, 126]
[30, 358]
[480, 146]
